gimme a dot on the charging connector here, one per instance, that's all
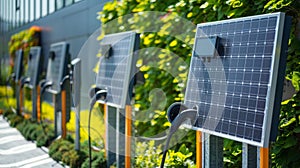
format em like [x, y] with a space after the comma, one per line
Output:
[99, 95]
[177, 115]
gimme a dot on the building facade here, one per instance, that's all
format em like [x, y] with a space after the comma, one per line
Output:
[73, 21]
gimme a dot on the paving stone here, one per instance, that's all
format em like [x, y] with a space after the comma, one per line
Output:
[15, 151]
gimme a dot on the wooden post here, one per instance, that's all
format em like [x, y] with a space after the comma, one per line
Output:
[64, 113]
[264, 157]
[39, 104]
[198, 149]
[128, 136]
[21, 98]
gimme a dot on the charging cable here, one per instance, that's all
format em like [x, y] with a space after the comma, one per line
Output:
[25, 80]
[177, 115]
[99, 95]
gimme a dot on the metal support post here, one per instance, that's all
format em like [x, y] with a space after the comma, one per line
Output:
[77, 129]
[76, 87]
[121, 138]
[57, 114]
[34, 100]
[213, 151]
[111, 138]
[250, 159]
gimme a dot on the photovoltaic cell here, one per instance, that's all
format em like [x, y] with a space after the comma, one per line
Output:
[116, 66]
[18, 65]
[56, 65]
[34, 66]
[235, 88]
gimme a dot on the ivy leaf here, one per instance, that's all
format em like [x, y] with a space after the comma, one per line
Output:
[290, 141]
[296, 130]
[288, 123]
[173, 43]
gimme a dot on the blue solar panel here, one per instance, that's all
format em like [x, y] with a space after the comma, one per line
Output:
[116, 66]
[18, 66]
[235, 87]
[34, 66]
[57, 65]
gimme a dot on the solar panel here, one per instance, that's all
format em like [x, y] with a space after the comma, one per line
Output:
[233, 76]
[116, 66]
[18, 65]
[34, 66]
[56, 65]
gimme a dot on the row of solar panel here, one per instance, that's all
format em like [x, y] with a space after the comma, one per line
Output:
[235, 89]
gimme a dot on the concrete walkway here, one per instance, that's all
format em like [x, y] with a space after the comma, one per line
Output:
[15, 151]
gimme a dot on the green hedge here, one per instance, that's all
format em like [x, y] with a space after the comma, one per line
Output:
[118, 16]
[60, 150]
[31, 130]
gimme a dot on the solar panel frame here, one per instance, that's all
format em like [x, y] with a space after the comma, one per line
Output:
[111, 79]
[34, 64]
[18, 66]
[272, 82]
[56, 68]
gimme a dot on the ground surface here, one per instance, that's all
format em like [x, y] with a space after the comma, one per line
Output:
[15, 151]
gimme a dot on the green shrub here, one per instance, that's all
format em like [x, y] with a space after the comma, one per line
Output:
[63, 150]
[30, 131]
[98, 157]
[98, 160]
[74, 158]
[6, 113]
[15, 120]
[54, 147]
[10, 116]
[200, 11]
[232, 154]
[58, 148]
[149, 155]
[22, 126]
[45, 135]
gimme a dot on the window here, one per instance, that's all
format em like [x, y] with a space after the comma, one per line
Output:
[44, 8]
[69, 2]
[22, 12]
[26, 16]
[13, 13]
[59, 4]
[51, 6]
[37, 9]
[2, 12]
[18, 13]
[31, 10]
